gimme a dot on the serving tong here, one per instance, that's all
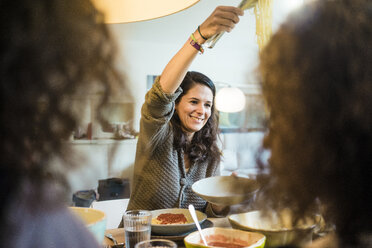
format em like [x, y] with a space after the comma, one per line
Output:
[244, 4]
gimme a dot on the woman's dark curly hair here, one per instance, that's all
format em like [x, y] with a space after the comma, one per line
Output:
[204, 142]
[317, 81]
[49, 50]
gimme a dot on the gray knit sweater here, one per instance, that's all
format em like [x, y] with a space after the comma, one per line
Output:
[160, 180]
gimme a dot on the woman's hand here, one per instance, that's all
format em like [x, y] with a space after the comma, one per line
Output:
[220, 209]
[223, 18]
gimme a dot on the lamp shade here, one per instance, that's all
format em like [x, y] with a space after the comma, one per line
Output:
[230, 99]
[124, 11]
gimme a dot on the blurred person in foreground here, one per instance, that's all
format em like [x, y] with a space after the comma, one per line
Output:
[50, 50]
[317, 82]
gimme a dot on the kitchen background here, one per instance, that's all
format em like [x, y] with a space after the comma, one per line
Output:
[144, 50]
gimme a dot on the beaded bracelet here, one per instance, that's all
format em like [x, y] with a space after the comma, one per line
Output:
[195, 44]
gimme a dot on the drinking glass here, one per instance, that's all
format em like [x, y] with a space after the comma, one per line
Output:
[156, 243]
[137, 226]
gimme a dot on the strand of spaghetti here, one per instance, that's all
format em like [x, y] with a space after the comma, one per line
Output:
[263, 15]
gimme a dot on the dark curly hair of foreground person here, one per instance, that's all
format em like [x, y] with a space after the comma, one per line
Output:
[50, 51]
[316, 75]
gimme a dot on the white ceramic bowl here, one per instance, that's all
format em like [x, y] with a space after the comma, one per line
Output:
[176, 229]
[94, 219]
[278, 230]
[227, 236]
[225, 190]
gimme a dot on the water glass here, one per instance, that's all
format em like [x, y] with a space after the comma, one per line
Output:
[158, 243]
[137, 226]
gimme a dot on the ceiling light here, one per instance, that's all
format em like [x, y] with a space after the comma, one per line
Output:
[124, 11]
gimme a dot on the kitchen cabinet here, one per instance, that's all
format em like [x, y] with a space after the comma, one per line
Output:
[99, 159]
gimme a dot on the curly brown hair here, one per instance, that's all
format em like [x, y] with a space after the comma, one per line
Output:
[317, 82]
[203, 145]
[50, 50]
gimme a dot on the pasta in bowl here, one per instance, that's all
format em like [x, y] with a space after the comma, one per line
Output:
[174, 221]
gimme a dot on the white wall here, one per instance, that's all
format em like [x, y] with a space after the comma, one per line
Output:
[146, 47]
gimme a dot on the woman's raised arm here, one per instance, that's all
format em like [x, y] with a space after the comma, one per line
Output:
[222, 19]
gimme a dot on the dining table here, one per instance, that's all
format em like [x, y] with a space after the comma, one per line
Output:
[118, 233]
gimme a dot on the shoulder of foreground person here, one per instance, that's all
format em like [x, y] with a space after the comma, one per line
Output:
[57, 228]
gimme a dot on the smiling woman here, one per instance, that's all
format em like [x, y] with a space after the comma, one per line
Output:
[177, 144]
[194, 106]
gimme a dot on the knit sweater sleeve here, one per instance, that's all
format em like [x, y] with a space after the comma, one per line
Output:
[156, 113]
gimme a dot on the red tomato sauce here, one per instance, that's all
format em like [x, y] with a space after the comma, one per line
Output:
[169, 218]
[227, 245]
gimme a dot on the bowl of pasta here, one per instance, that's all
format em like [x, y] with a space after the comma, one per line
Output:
[174, 221]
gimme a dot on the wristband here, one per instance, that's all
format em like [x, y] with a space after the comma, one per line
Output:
[195, 44]
[201, 34]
